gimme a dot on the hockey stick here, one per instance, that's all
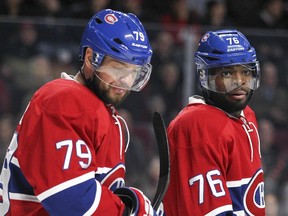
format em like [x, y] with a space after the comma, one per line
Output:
[163, 148]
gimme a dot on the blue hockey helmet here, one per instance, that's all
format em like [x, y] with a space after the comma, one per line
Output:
[122, 37]
[225, 48]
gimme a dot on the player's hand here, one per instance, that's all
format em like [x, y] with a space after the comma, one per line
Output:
[137, 204]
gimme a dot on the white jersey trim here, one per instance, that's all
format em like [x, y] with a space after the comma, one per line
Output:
[65, 185]
[23, 197]
[220, 210]
[15, 161]
[196, 99]
[231, 184]
[103, 170]
[240, 213]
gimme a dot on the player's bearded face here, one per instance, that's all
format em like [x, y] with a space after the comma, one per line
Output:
[232, 88]
[113, 80]
[106, 92]
[231, 102]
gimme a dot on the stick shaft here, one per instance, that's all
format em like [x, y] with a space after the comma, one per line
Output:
[163, 148]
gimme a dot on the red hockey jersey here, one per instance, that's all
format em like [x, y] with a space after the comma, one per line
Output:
[66, 157]
[215, 163]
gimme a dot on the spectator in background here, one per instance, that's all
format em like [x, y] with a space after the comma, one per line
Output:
[163, 46]
[26, 40]
[15, 8]
[275, 165]
[7, 126]
[5, 98]
[156, 102]
[11, 8]
[270, 152]
[216, 15]
[10, 93]
[51, 8]
[39, 72]
[85, 9]
[155, 9]
[138, 153]
[284, 200]
[271, 100]
[130, 6]
[243, 12]
[179, 17]
[180, 14]
[153, 175]
[147, 10]
[30, 8]
[272, 205]
[198, 6]
[169, 88]
[5, 93]
[165, 50]
[17, 60]
[272, 15]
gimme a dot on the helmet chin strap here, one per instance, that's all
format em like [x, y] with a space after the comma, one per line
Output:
[206, 93]
[87, 81]
[90, 83]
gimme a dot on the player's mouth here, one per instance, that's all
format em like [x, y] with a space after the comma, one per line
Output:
[238, 94]
[118, 91]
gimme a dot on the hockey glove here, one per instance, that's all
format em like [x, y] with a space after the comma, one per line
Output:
[137, 204]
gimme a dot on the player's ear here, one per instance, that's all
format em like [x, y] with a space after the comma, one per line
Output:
[87, 66]
[88, 58]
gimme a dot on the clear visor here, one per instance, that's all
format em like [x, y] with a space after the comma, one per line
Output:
[227, 78]
[127, 77]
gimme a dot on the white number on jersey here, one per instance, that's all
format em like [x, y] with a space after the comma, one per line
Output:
[213, 181]
[82, 152]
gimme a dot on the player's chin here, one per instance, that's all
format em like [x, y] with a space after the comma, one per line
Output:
[238, 103]
[117, 98]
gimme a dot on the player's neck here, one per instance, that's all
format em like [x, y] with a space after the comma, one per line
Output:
[236, 114]
[79, 78]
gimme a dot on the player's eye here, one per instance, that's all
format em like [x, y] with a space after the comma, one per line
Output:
[226, 73]
[246, 72]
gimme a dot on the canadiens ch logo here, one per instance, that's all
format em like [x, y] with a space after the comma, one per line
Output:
[114, 178]
[255, 192]
[205, 37]
[110, 18]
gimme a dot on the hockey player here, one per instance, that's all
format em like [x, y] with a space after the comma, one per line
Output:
[67, 154]
[214, 143]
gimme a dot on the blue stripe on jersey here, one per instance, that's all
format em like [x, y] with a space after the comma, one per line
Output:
[75, 200]
[18, 183]
[221, 211]
[237, 194]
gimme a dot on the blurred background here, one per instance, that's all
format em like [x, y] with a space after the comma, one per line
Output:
[40, 39]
